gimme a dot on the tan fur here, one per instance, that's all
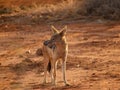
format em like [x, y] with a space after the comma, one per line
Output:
[56, 49]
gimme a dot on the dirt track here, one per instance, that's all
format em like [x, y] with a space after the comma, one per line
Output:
[93, 60]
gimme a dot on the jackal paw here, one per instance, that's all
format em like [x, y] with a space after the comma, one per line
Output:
[44, 82]
[53, 83]
[67, 84]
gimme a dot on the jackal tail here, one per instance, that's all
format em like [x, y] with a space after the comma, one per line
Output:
[49, 66]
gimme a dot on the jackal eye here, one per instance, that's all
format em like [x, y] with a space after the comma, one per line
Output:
[53, 38]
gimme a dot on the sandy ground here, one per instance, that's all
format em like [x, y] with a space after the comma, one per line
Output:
[93, 60]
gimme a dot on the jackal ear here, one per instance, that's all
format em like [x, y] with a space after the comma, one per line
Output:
[54, 30]
[63, 32]
[65, 28]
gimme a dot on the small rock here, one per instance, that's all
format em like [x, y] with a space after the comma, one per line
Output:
[42, 73]
[39, 52]
[85, 38]
[27, 52]
[78, 65]
[93, 73]
[21, 56]
[27, 60]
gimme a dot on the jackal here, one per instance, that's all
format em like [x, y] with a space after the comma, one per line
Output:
[53, 50]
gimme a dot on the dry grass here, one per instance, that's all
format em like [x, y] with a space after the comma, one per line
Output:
[67, 8]
[108, 9]
[11, 6]
[64, 9]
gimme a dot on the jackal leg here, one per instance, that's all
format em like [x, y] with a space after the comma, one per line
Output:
[64, 71]
[46, 61]
[53, 73]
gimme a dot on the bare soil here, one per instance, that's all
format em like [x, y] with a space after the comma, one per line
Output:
[93, 59]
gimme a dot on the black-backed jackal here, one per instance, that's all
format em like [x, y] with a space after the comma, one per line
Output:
[53, 50]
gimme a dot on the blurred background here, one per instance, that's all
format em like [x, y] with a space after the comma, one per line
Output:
[61, 9]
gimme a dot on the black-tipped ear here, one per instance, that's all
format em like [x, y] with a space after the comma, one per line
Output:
[63, 31]
[54, 30]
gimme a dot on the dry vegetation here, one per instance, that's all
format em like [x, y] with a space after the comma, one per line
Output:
[107, 9]
[10, 6]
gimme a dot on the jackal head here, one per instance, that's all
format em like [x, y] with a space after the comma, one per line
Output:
[56, 37]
